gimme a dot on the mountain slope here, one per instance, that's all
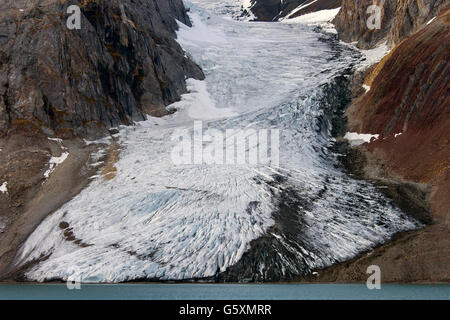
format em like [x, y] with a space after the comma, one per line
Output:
[274, 10]
[408, 106]
[399, 18]
[122, 64]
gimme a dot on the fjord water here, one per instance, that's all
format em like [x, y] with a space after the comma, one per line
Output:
[224, 292]
[160, 220]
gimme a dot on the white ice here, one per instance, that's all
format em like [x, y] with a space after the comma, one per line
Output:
[54, 162]
[357, 139]
[374, 55]
[316, 17]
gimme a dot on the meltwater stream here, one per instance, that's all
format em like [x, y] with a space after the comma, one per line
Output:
[163, 220]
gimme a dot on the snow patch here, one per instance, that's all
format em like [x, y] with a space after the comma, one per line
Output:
[315, 17]
[105, 140]
[56, 140]
[373, 56]
[247, 7]
[54, 162]
[429, 22]
[199, 104]
[4, 187]
[357, 139]
[366, 87]
[321, 18]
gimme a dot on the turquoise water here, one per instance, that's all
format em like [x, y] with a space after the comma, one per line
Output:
[225, 292]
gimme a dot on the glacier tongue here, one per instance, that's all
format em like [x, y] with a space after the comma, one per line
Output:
[157, 220]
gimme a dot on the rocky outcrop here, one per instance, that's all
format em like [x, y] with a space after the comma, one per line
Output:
[399, 18]
[408, 106]
[274, 10]
[123, 63]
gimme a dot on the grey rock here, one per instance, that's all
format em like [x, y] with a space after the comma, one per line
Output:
[399, 19]
[122, 64]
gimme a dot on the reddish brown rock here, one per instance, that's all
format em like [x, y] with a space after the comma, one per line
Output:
[409, 96]
[409, 107]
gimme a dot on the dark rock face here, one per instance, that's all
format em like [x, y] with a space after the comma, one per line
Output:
[399, 18]
[122, 64]
[273, 10]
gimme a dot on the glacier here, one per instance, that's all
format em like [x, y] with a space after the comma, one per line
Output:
[157, 220]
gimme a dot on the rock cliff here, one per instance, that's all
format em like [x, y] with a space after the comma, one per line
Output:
[123, 63]
[408, 106]
[398, 19]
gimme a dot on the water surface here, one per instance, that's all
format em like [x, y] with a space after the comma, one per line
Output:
[225, 292]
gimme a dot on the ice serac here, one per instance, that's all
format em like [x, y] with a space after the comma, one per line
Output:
[123, 63]
[399, 18]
